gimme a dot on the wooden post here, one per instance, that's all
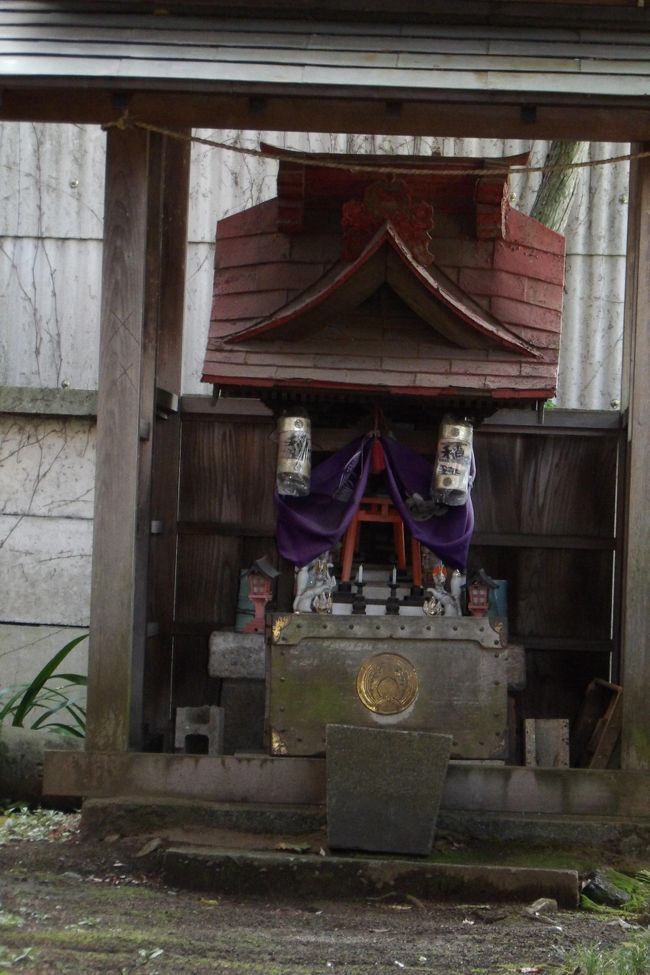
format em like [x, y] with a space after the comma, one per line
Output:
[170, 303]
[130, 318]
[635, 750]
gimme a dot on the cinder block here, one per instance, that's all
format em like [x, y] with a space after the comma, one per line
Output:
[204, 722]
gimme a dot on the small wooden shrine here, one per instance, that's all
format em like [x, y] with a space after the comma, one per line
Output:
[391, 288]
[546, 77]
[410, 284]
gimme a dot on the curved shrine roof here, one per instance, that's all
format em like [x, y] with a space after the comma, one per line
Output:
[421, 284]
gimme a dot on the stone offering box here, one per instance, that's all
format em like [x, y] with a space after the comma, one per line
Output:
[449, 676]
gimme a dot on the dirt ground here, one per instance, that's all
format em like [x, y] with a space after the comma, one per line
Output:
[73, 905]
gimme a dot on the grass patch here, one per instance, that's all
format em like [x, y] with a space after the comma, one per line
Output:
[514, 855]
[630, 958]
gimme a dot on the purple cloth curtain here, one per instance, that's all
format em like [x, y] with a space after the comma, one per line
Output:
[308, 526]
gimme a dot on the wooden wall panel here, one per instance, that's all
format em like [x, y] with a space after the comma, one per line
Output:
[545, 504]
[497, 489]
[227, 473]
[192, 685]
[556, 682]
[557, 485]
[563, 594]
[208, 579]
[552, 593]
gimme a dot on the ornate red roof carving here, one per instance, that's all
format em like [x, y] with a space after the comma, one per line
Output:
[332, 285]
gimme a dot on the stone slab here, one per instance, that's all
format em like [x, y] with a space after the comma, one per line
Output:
[237, 655]
[384, 788]
[48, 466]
[24, 651]
[22, 752]
[45, 570]
[48, 400]
[616, 835]
[131, 815]
[281, 874]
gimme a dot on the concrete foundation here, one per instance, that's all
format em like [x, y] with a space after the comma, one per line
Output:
[22, 752]
[277, 874]
[469, 787]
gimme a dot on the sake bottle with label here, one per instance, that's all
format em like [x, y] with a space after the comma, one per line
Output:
[452, 473]
[293, 472]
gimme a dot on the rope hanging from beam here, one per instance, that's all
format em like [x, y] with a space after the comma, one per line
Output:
[297, 156]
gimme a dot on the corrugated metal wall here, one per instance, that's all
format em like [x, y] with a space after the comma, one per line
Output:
[51, 221]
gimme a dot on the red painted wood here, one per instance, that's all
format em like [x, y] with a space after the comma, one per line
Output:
[533, 315]
[529, 262]
[485, 318]
[521, 229]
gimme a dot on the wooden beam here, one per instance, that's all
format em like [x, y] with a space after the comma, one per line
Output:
[449, 114]
[635, 741]
[116, 622]
[615, 14]
[143, 287]
[168, 308]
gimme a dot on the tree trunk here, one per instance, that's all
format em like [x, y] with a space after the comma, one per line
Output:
[553, 201]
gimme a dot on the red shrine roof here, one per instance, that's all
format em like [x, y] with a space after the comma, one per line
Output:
[422, 284]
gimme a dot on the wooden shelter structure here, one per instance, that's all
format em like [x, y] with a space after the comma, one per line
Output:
[577, 70]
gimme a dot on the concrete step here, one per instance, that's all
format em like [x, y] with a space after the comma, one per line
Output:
[130, 816]
[277, 874]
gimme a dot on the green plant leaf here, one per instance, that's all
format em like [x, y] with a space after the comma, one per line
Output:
[10, 705]
[66, 729]
[78, 714]
[73, 679]
[44, 675]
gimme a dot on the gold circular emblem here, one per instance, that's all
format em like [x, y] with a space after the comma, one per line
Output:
[387, 683]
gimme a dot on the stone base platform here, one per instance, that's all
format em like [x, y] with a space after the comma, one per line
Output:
[132, 816]
[274, 874]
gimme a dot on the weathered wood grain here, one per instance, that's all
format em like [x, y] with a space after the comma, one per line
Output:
[191, 682]
[563, 485]
[167, 310]
[451, 114]
[562, 594]
[227, 473]
[116, 625]
[208, 579]
[635, 747]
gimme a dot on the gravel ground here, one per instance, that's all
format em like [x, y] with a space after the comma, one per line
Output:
[71, 905]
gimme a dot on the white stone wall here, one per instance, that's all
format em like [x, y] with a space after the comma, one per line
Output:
[24, 651]
[47, 468]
